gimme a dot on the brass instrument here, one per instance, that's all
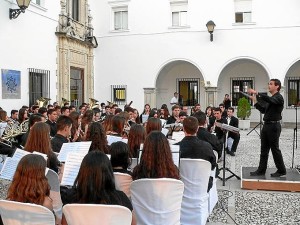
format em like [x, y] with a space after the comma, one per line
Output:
[93, 103]
[15, 129]
[64, 101]
[43, 102]
[110, 104]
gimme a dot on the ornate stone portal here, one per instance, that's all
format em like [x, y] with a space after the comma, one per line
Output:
[75, 49]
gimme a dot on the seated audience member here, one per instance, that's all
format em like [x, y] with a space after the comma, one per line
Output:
[136, 137]
[39, 141]
[64, 126]
[95, 184]
[29, 184]
[175, 115]
[37, 117]
[119, 157]
[153, 124]
[52, 117]
[156, 160]
[192, 147]
[204, 135]
[96, 134]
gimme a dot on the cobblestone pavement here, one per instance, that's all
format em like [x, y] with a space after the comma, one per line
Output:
[248, 207]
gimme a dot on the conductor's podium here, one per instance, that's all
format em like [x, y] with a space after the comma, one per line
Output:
[291, 182]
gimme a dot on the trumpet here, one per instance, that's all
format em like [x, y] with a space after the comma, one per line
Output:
[42, 102]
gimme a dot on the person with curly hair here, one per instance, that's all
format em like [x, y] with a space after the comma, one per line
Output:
[156, 160]
[96, 134]
[39, 141]
[136, 137]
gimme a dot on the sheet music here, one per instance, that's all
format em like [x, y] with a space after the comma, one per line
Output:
[175, 154]
[173, 125]
[9, 168]
[19, 153]
[163, 122]
[178, 136]
[228, 127]
[165, 131]
[73, 147]
[144, 118]
[41, 154]
[112, 139]
[71, 169]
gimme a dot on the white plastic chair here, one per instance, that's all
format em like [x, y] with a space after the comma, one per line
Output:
[17, 213]
[195, 175]
[213, 193]
[55, 192]
[123, 182]
[94, 214]
[157, 201]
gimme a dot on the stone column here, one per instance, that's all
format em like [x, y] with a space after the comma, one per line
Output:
[211, 96]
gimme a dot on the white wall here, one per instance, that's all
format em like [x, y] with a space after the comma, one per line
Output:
[28, 41]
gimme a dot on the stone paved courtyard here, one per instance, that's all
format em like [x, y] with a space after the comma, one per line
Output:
[249, 207]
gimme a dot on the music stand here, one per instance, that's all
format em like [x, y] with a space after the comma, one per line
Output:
[295, 137]
[259, 124]
[227, 128]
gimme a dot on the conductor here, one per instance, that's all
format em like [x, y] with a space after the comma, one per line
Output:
[272, 108]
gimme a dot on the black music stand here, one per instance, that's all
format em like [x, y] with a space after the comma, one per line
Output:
[295, 137]
[259, 124]
[226, 128]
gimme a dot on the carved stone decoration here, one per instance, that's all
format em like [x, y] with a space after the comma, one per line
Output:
[74, 49]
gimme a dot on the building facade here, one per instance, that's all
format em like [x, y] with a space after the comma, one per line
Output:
[149, 49]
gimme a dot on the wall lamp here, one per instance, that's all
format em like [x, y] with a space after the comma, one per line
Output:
[23, 4]
[210, 28]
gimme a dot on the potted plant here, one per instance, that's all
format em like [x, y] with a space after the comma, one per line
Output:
[243, 113]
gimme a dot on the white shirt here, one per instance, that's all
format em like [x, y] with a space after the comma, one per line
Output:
[174, 100]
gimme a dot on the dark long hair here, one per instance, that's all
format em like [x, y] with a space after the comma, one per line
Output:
[136, 137]
[96, 134]
[95, 182]
[156, 160]
[119, 155]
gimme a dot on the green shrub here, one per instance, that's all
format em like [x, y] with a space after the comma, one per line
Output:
[243, 108]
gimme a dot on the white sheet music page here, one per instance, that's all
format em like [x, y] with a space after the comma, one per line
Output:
[178, 136]
[41, 154]
[9, 168]
[71, 169]
[112, 139]
[2, 127]
[19, 153]
[175, 154]
[73, 147]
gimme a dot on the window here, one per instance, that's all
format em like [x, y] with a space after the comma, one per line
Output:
[118, 93]
[189, 91]
[243, 11]
[75, 9]
[293, 90]
[179, 18]
[179, 11]
[120, 19]
[38, 2]
[240, 84]
[39, 84]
